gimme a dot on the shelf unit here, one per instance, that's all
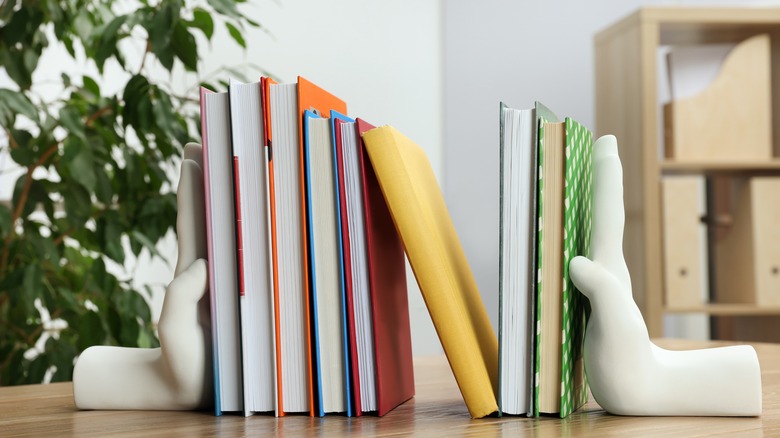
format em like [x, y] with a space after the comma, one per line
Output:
[627, 106]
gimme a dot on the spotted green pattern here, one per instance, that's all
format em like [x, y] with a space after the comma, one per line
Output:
[538, 329]
[577, 221]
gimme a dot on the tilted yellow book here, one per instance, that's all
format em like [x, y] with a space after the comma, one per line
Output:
[439, 264]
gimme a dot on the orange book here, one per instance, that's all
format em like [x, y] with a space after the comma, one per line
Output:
[313, 98]
[265, 84]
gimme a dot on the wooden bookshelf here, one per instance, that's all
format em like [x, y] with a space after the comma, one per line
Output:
[627, 84]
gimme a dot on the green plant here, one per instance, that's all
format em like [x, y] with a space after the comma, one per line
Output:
[96, 169]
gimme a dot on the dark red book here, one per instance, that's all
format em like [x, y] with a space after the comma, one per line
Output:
[389, 301]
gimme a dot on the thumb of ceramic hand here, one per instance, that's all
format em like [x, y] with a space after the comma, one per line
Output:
[605, 280]
[592, 279]
[184, 321]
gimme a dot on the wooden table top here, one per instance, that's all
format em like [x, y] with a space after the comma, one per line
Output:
[436, 410]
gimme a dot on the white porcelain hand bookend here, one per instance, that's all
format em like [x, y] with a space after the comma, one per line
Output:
[627, 373]
[177, 375]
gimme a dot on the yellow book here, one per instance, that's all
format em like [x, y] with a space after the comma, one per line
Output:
[439, 264]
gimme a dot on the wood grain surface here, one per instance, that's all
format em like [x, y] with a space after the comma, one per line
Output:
[436, 410]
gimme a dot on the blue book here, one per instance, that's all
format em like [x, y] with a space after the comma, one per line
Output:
[326, 268]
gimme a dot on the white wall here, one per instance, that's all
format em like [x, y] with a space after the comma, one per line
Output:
[516, 52]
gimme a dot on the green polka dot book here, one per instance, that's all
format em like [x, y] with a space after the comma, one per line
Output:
[577, 220]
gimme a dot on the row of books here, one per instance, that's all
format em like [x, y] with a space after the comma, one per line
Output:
[545, 221]
[307, 276]
[546, 203]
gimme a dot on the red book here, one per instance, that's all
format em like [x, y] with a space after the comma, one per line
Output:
[387, 281]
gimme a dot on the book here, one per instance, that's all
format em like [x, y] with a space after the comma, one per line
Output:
[221, 242]
[254, 265]
[294, 342]
[310, 97]
[342, 232]
[551, 138]
[517, 264]
[324, 266]
[265, 95]
[351, 267]
[577, 224]
[388, 319]
[354, 274]
[439, 264]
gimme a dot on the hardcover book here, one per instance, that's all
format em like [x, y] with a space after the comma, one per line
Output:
[389, 305]
[439, 264]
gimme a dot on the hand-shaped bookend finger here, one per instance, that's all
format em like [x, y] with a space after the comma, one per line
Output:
[627, 373]
[178, 374]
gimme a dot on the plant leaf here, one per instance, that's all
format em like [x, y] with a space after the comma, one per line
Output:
[78, 205]
[109, 37]
[18, 103]
[103, 189]
[226, 7]
[82, 166]
[91, 85]
[146, 243]
[202, 20]
[31, 287]
[185, 47]
[236, 34]
[5, 220]
[71, 120]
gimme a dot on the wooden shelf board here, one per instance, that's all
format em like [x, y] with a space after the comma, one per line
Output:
[768, 166]
[696, 25]
[727, 309]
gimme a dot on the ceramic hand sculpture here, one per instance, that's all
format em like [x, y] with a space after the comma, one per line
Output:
[627, 373]
[178, 374]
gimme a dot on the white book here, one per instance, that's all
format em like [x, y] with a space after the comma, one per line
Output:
[361, 294]
[325, 268]
[516, 258]
[255, 270]
[291, 266]
[221, 237]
